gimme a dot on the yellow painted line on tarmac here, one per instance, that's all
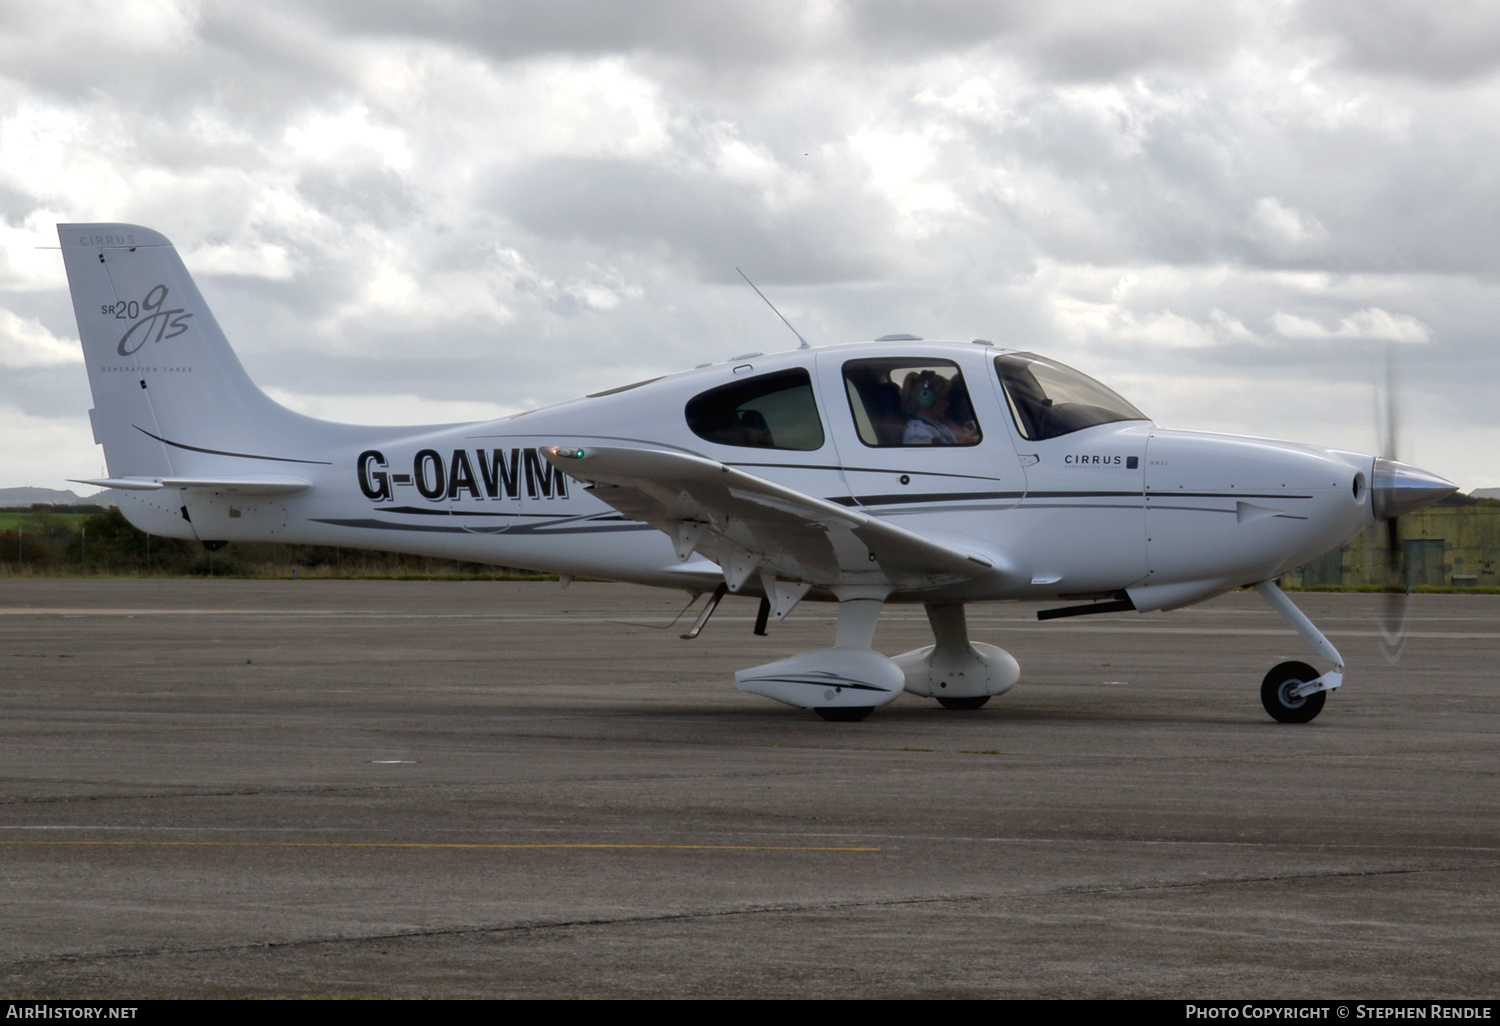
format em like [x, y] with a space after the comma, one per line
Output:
[416, 844]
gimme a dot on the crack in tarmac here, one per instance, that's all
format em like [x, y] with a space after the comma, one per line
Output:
[540, 926]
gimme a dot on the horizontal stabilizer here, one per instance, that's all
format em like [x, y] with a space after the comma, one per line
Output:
[233, 485]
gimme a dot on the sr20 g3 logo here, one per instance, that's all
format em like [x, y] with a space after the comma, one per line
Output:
[151, 323]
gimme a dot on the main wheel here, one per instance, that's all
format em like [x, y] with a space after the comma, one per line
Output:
[976, 702]
[1275, 693]
[844, 713]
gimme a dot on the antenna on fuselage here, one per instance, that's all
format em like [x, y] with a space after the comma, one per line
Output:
[775, 311]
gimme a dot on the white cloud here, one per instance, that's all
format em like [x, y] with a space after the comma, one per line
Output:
[1372, 324]
[1285, 228]
[55, 449]
[1231, 328]
[24, 342]
[68, 157]
[900, 169]
[1106, 324]
[263, 260]
[346, 136]
[29, 258]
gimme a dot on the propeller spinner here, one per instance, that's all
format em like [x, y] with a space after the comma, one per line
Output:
[1399, 489]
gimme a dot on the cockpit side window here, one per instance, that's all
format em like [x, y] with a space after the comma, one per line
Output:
[773, 411]
[1048, 400]
[901, 401]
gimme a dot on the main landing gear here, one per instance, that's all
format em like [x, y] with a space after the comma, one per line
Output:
[1294, 692]
[842, 684]
[964, 704]
[961, 674]
[845, 683]
[843, 714]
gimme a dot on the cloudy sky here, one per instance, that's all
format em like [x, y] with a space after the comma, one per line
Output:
[1230, 212]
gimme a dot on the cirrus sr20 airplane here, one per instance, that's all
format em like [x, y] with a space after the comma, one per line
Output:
[898, 470]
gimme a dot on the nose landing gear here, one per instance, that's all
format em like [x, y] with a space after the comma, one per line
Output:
[1294, 692]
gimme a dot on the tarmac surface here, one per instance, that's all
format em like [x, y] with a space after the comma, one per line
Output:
[284, 788]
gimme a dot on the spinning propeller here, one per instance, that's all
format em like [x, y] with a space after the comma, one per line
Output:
[1398, 489]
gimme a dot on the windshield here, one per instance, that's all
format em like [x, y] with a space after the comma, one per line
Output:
[1047, 399]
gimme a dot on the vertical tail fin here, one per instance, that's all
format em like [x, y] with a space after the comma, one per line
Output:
[170, 396]
[171, 400]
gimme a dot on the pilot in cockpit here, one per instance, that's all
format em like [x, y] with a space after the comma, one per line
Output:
[936, 412]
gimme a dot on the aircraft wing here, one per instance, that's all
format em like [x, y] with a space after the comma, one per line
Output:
[745, 523]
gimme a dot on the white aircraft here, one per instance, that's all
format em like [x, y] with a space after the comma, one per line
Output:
[898, 470]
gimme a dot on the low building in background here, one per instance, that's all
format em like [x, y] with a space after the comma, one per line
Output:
[1455, 543]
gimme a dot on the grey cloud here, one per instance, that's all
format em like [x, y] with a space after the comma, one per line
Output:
[1439, 40]
[47, 391]
[15, 203]
[1071, 39]
[1082, 40]
[731, 32]
[363, 195]
[1184, 186]
[714, 225]
[245, 67]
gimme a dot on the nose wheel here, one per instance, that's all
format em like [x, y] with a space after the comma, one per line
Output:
[1277, 693]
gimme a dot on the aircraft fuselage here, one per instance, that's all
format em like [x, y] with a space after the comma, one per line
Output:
[1126, 505]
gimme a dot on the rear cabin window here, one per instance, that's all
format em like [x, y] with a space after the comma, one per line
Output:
[773, 411]
[901, 401]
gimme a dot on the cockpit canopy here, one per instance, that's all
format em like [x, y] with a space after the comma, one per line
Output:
[1048, 400]
[899, 401]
